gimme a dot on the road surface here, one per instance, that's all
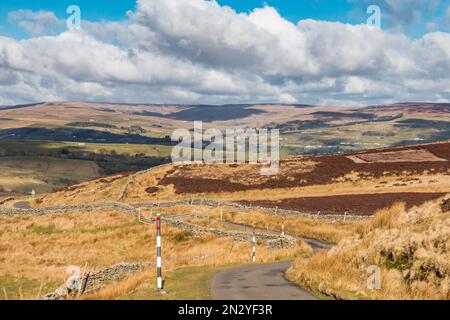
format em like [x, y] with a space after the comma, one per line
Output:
[257, 282]
[261, 281]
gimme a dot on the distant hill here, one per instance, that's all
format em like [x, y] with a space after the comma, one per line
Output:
[306, 129]
[357, 183]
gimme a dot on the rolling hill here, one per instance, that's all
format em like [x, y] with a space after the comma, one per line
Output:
[125, 137]
[357, 183]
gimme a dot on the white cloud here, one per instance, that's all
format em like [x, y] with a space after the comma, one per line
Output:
[197, 51]
[399, 15]
[36, 22]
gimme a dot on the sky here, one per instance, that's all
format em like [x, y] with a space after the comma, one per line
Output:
[346, 11]
[225, 51]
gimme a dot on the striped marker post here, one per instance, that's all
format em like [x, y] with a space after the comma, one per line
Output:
[158, 252]
[282, 231]
[254, 246]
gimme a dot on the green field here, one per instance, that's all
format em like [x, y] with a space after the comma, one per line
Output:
[8, 147]
[363, 136]
[15, 288]
[21, 175]
[45, 166]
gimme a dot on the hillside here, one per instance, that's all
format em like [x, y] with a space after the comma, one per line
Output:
[122, 138]
[21, 175]
[409, 246]
[209, 212]
[305, 129]
[358, 183]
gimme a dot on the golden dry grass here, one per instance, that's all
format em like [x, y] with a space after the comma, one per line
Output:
[325, 230]
[104, 189]
[328, 231]
[120, 288]
[182, 277]
[410, 247]
[41, 248]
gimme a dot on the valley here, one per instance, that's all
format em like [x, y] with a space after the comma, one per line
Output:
[347, 179]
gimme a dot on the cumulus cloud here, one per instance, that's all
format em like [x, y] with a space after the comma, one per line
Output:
[36, 22]
[195, 51]
[400, 14]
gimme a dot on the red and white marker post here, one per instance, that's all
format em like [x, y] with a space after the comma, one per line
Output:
[254, 246]
[159, 282]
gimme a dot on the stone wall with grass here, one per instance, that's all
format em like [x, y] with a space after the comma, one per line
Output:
[93, 281]
[134, 211]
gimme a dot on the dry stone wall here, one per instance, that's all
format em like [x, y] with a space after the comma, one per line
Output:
[196, 230]
[131, 178]
[132, 210]
[86, 208]
[3, 201]
[93, 281]
[273, 211]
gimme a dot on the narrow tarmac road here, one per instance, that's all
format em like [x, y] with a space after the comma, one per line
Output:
[261, 281]
[257, 282]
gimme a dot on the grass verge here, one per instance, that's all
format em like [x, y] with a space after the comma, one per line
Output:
[18, 288]
[190, 283]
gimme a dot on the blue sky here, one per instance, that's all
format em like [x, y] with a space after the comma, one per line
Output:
[194, 51]
[294, 10]
[347, 11]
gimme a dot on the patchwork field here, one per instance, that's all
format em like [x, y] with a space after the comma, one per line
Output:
[412, 155]
[305, 129]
